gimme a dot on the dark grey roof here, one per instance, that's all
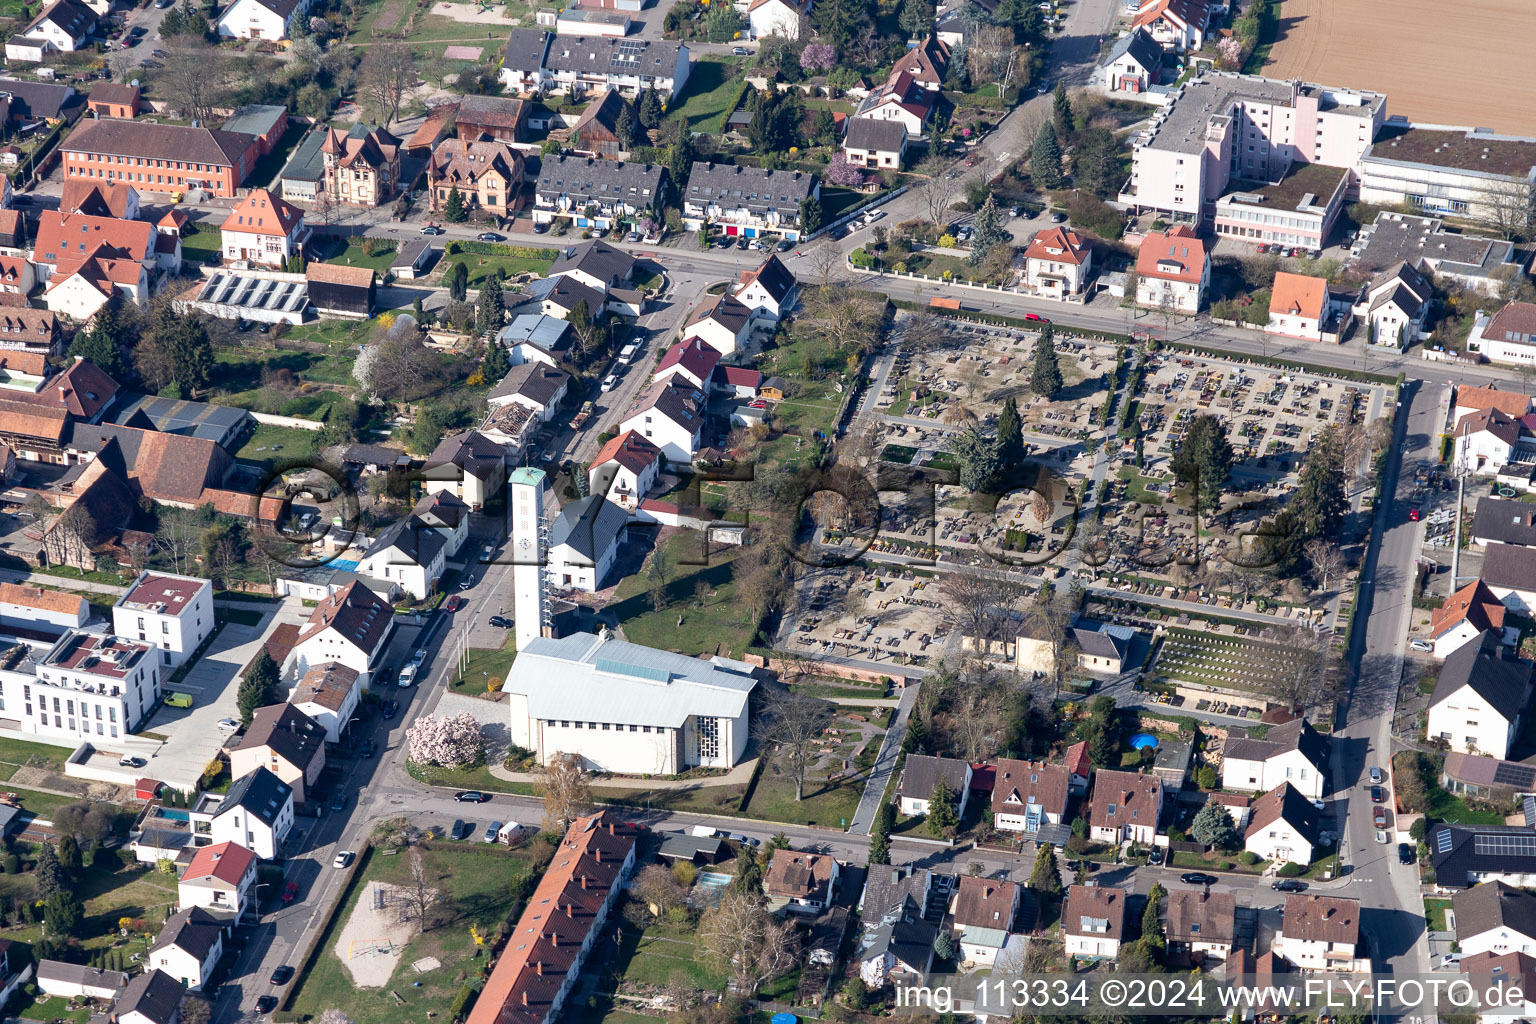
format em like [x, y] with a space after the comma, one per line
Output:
[1495, 675]
[1461, 854]
[1296, 734]
[598, 259]
[873, 133]
[774, 276]
[470, 451]
[413, 538]
[601, 181]
[921, 773]
[538, 382]
[289, 732]
[1408, 274]
[261, 793]
[1396, 237]
[80, 974]
[1504, 521]
[1140, 47]
[413, 253]
[589, 525]
[193, 930]
[525, 49]
[753, 188]
[1505, 565]
[1285, 803]
[69, 15]
[1405, 299]
[42, 99]
[307, 162]
[902, 932]
[683, 846]
[678, 403]
[163, 838]
[1494, 905]
[887, 885]
[374, 455]
[1101, 644]
[568, 293]
[589, 55]
[255, 118]
[178, 416]
[156, 995]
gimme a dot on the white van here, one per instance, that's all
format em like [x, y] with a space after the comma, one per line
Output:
[627, 354]
[508, 832]
[407, 676]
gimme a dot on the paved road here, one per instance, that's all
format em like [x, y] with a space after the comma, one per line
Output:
[885, 763]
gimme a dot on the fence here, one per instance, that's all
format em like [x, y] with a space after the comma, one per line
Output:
[877, 201]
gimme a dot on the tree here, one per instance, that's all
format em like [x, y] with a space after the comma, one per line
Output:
[987, 230]
[658, 572]
[1327, 560]
[1096, 162]
[721, 24]
[1062, 119]
[454, 211]
[981, 469]
[944, 945]
[1307, 671]
[739, 939]
[69, 853]
[658, 888]
[816, 58]
[793, 721]
[1045, 378]
[840, 172]
[450, 741]
[625, 128]
[62, 913]
[49, 874]
[194, 1009]
[988, 52]
[258, 687]
[916, 18]
[1213, 826]
[942, 817]
[1045, 878]
[651, 110]
[88, 820]
[681, 156]
[938, 190]
[183, 342]
[420, 894]
[1319, 502]
[749, 873]
[398, 366]
[880, 835]
[837, 22]
[491, 307]
[193, 83]
[1151, 917]
[810, 214]
[1204, 460]
[1045, 159]
[387, 73]
[456, 280]
[567, 789]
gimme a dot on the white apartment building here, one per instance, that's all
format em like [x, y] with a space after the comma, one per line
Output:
[264, 229]
[1222, 126]
[1480, 697]
[86, 686]
[351, 626]
[1319, 933]
[625, 470]
[1495, 918]
[1292, 752]
[1173, 271]
[626, 708]
[1298, 210]
[747, 201]
[1459, 172]
[51, 611]
[173, 613]
[1508, 337]
[256, 813]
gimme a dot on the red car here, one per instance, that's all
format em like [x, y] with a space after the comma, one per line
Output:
[1036, 317]
[290, 892]
[1414, 515]
[454, 603]
[1379, 816]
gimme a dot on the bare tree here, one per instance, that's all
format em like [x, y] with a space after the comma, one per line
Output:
[325, 206]
[793, 721]
[121, 64]
[1048, 620]
[1308, 670]
[658, 888]
[845, 317]
[1510, 206]
[978, 719]
[387, 72]
[939, 191]
[988, 53]
[567, 791]
[971, 596]
[178, 534]
[193, 83]
[1327, 560]
[825, 261]
[420, 893]
[739, 939]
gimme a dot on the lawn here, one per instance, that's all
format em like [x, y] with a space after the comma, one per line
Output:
[483, 886]
[268, 443]
[1136, 487]
[837, 201]
[827, 804]
[39, 803]
[434, 27]
[207, 242]
[1217, 660]
[718, 625]
[481, 267]
[484, 665]
[16, 753]
[109, 891]
[1434, 913]
[239, 372]
[1452, 810]
[354, 256]
[652, 956]
[712, 88]
[41, 1006]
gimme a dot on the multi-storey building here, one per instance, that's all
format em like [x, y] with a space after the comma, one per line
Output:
[595, 193]
[488, 175]
[361, 171]
[1458, 172]
[173, 613]
[747, 201]
[86, 686]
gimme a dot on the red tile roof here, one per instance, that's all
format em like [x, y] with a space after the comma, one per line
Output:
[1474, 604]
[228, 862]
[630, 450]
[1511, 403]
[1058, 244]
[70, 238]
[693, 355]
[1173, 255]
[1299, 295]
[262, 213]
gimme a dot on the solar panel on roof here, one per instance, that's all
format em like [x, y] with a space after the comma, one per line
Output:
[1519, 776]
[1504, 845]
[1443, 841]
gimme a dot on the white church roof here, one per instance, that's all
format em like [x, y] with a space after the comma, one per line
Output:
[587, 677]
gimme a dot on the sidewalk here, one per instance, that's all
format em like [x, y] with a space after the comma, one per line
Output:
[738, 776]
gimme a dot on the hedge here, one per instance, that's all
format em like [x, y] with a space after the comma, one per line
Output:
[497, 249]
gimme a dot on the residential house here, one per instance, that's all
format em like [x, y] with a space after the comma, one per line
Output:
[983, 912]
[800, 882]
[1488, 441]
[1079, 768]
[596, 131]
[1058, 262]
[33, 608]
[1479, 399]
[1284, 827]
[151, 998]
[109, 99]
[522, 60]
[584, 543]
[561, 920]
[596, 264]
[63, 27]
[876, 142]
[1103, 648]
[1133, 65]
[188, 947]
[158, 157]
[671, 417]
[409, 554]
[446, 514]
[721, 322]
[1291, 752]
[1508, 337]
[593, 193]
[1199, 924]
[1298, 306]
[749, 201]
[692, 362]
[537, 387]
[328, 693]
[1394, 305]
[221, 877]
[487, 174]
[264, 229]
[778, 17]
[502, 118]
[897, 946]
[1487, 778]
[1466, 855]
[28, 331]
[469, 466]
[1125, 807]
[1505, 986]
[624, 470]
[79, 981]
[559, 297]
[361, 172]
[173, 613]
[1480, 697]
[582, 65]
[1177, 25]
[1495, 918]
[288, 743]
[1093, 921]
[256, 812]
[352, 626]
[17, 277]
[1466, 615]
[335, 289]
[1173, 271]
[1503, 521]
[79, 292]
[902, 100]
[921, 775]
[1453, 257]
[1319, 933]
[1467, 173]
[770, 291]
[86, 686]
[260, 19]
[1028, 795]
[675, 712]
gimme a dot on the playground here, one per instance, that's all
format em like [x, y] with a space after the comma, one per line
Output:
[373, 942]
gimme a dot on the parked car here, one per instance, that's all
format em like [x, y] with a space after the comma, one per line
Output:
[390, 708]
[461, 829]
[784, 245]
[609, 383]
[454, 603]
[178, 700]
[290, 892]
[743, 242]
[432, 229]
[1058, 218]
[739, 51]
[1375, 776]
[1422, 646]
[128, 761]
[491, 831]
[1450, 959]
[1406, 853]
[466, 582]
[633, 236]
[368, 749]
[1414, 515]
[490, 236]
[340, 803]
[266, 1004]
[501, 622]
[1198, 878]
[281, 975]
[1263, 248]
[1289, 885]
[539, 229]
[1379, 816]
[343, 859]
[1378, 795]
[471, 796]
[1155, 856]
[227, 725]
[407, 676]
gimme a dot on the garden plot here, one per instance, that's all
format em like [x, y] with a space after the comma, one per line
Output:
[1219, 659]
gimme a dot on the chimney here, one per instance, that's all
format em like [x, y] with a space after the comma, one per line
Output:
[570, 911]
[538, 968]
[612, 829]
[525, 997]
[583, 881]
[554, 938]
[598, 855]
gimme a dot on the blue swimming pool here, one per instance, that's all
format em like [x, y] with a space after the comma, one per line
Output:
[344, 564]
[1142, 740]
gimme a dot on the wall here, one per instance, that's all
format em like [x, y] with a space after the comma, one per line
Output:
[831, 669]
